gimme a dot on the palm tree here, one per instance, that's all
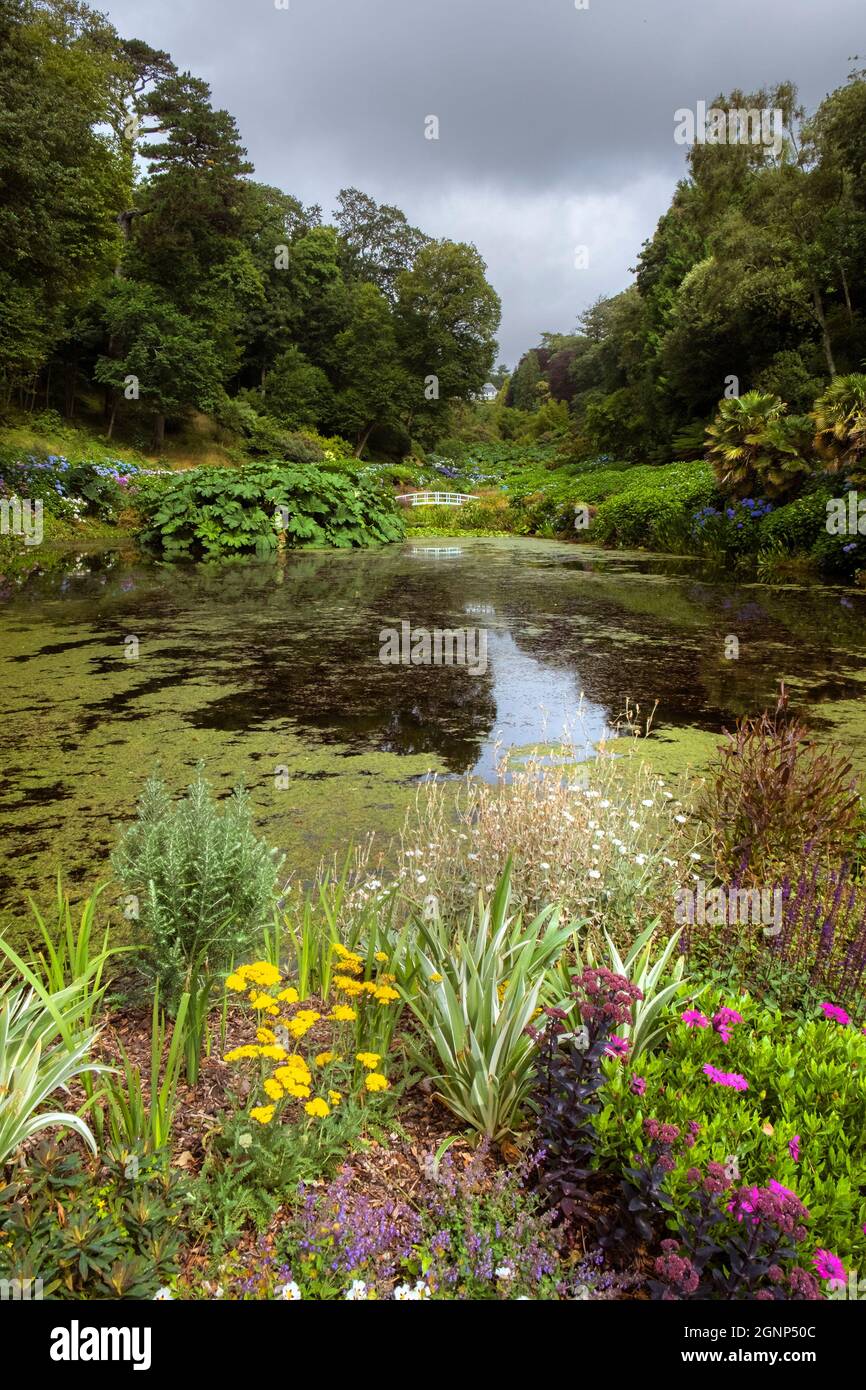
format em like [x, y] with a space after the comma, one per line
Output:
[840, 424]
[756, 449]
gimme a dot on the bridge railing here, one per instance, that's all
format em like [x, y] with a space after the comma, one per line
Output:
[436, 499]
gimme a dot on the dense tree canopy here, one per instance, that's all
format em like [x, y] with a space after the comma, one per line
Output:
[137, 252]
[755, 279]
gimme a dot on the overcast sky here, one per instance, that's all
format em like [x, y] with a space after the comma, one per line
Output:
[555, 124]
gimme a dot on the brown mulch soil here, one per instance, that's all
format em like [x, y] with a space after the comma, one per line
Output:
[382, 1171]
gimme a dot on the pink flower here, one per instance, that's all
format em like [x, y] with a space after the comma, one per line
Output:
[723, 1022]
[731, 1079]
[782, 1191]
[693, 1019]
[616, 1047]
[836, 1013]
[638, 1085]
[794, 1148]
[829, 1266]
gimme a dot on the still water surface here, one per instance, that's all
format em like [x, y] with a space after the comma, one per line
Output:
[254, 666]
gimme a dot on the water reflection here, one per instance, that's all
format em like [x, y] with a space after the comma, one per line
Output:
[249, 663]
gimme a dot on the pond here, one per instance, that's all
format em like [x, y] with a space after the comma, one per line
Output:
[269, 672]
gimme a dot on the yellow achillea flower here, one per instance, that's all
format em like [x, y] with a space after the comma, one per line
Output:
[375, 1081]
[294, 1077]
[273, 1089]
[317, 1108]
[435, 978]
[334, 1097]
[266, 1035]
[273, 1051]
[369, 1060]
[367, 987]
[302, 1022]
[261, 972]
[349, 960]
[263, 1113]
[346, 985]
[323, 1058]
[341, 1013]
[289, 996]
[386, 995]
[295, 1062]
[380, 956]
[259, 1000]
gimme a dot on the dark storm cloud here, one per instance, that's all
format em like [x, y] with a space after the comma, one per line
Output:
[556, 124]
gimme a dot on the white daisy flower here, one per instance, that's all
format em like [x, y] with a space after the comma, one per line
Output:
[289, 1293]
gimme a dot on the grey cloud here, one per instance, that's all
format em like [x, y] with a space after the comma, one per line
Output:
[544, 110]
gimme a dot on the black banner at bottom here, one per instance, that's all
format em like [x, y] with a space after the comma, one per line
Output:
[63, 1340]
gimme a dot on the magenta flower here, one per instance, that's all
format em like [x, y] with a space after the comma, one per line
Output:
[638, 1085]
[836, 1013]
[692, 1018]
[794, 1148]
[723, 1022]
[616, 1046]
[829, 1266]
[731, 1079]
[781, 1191]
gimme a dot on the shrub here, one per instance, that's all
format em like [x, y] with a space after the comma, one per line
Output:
[731, 1242]
[43, 1047]
[839, 557]
[755, 449]
[840, 425]
[658, 984]
[798, 524]
[655, 510]
[93, 1236]
[765, 1097]
[772, 790]
[70, 490]
[735, 529]
[218, 510]
[481, 984]
[568, 1077]
[203, 884]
